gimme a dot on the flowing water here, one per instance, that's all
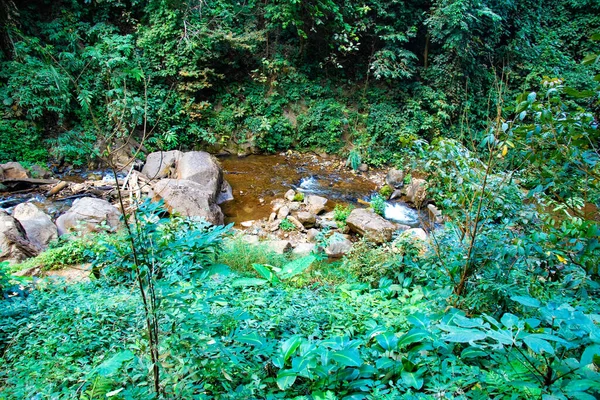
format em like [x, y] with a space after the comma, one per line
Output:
[258, 179]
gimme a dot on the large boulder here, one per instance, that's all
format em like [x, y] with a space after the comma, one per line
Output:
[87, 215]
[306, 218]
[189, 199]
[316, 204]
[415, 192]
[38, 226]
[395, 178]
[372, 226]
[337, 246]
[161, 164]
[202, 168]
[14, 246]
[12, 171]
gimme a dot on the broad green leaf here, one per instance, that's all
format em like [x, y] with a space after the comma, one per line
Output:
[285, 379]
[114, 392]
[289, 347]
[473, 352]
[388, 341]
[296, 267]
[531, 97]
[266, 273]
[526, 301]
[347, 358]
[252, 339]
[113, 364]
[412, 379]
[247, 282]
[509, 320]
[538, 346]
[589, 354]
[413, 336]
[464, 336]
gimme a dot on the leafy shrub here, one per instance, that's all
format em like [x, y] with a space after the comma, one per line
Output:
[287, 225]
[341, 213]
[299, 196]
[386, 191]
[377, 204]
[240, 255]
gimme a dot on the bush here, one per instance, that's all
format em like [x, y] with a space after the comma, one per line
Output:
[378, 204]
[287, 225]
[386, 191]
[341, 213]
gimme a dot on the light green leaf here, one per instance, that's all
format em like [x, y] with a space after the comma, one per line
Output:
[285, 379]
[538, 346]
[526, 301]
[347, 358]
[296, 267]
[113, 364]
[266, 273]
[252, 339]
[246, 282]
[589, 353]
[413, 336]
[412, 379]
[114, 392]
[464, 336]
[388, 341]
[289, 347]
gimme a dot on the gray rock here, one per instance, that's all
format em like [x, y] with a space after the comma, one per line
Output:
[225, 194]
[279, 246]
[370, 225]
[294, 206]
[251, 239]
[395, 178]
[306, 218]
[435, 215]
[161, 164]
[416, 233]
[296, 223]
[202, 168]
[338, 245]
[14, 246]
[326, 223]
[289, 195]
[38, 226]
[277, 204]
[39, 172]
[303, 249]
[189, 199]
[396, 194]
[363, 167]
[416, 192]
[283, 212]
[316, 204]
[311, 235]
[272, 217]
[12, 170]
[87, 215]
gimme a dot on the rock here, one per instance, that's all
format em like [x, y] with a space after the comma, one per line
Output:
[401, 227]
[306, 218]
[303, 249]
[338, 245]
[14, 246]
[311, 235]
[294, 206]
[225, 194]
[277, 204]
[435, 215]
[416, 192]
[88, 214]
[370, 225]
[416, 233]
[316, 204]
[77, 274]
[283, 212]
[251, 239]
[289, 195]
[39, 172]
[273, 226]
[279, 246]
[396, 194]
[247, 224]
[395, 178]
[189, 199]
[3, 188]
[326, 223]
[38, 226]
[296, 223]
[12, 171]
[161, 164]
[272, 217]
[202, 168]
[363, 167]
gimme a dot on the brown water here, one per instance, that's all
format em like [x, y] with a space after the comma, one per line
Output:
[268, 177]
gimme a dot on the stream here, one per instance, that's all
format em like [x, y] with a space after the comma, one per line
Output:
[256, 180]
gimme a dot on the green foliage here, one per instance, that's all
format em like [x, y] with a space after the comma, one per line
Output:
[299, 196]
[341, 213]
[286, 225]
[386, 191]
[378, 204]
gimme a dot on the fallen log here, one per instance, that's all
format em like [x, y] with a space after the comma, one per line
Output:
[57, 188]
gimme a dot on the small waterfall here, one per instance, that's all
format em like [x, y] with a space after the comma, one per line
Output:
[401, 213]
